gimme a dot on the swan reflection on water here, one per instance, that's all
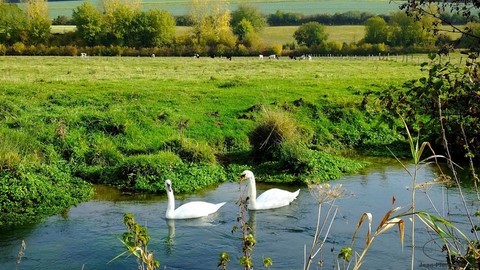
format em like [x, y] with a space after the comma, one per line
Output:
[186, 225]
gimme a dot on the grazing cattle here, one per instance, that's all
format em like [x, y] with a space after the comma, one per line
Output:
[229, 57]
[273, 56]
[260, 57]
[153, 55]
[83, 54]
[196, 55]
[309, 57]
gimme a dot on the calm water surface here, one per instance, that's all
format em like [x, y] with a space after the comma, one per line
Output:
[87, 236]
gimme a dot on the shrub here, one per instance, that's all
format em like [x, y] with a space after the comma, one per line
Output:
[3, 49]
[192, 151]
[149, 172]
[275, 128]
[18, 48]
[242, 50]
[104, 152]
[29, 195]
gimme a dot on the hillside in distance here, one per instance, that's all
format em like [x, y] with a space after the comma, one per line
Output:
[307, 7]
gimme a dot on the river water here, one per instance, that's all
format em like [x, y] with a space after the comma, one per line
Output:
[87, 236]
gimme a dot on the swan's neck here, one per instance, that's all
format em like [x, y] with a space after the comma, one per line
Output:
[170, 204]
[252, 193]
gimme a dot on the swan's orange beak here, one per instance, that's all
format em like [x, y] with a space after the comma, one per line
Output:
[242, 177]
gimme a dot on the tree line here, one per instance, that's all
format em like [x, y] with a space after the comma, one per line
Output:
[121, 27]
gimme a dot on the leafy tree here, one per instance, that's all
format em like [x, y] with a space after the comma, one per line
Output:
[163, 24]
[376, 30]
[470, 39]
[284, 18]
[201, 19]
[211, 24]
[310, 34]
[405, 31]
[152, 28]
[61, 20]
[468, 10]
[13, 22]
[118, 17]
[224, 31]
[38, 22]
[89, 23]
[243, 28]
[249, 13]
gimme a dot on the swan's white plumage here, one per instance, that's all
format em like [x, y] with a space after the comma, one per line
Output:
[194, 209]
[272, 198]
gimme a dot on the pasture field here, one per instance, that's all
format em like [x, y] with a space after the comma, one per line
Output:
[210, 94]
[182, 7]
[132, 122]
[178, 76]
[272, 35]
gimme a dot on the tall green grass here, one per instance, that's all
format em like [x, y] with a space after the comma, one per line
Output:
[132, 122]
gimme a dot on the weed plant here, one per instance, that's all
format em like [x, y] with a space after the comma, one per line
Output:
[136, 240]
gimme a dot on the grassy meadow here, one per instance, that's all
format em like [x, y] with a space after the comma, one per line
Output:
[132, 122]
[149, 97]
[272, 35]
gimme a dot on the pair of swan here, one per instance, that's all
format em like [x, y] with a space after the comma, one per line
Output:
[272, 198]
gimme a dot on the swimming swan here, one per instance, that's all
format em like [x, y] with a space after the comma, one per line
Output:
[272, 198]
[189, 210]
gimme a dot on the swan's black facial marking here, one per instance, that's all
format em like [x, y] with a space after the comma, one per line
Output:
[169, 187]
[243, 176]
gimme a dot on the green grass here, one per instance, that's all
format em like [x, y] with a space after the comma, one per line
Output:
[133, 122]
[341, 33]
[272, 35]
[159, 93]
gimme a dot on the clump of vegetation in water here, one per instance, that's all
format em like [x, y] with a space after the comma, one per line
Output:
[30, 194]
[136, 239]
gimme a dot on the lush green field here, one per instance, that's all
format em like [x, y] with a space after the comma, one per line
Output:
[280, 34]
[133, 122]
[182, 7]
[271, 35]
[284, 34]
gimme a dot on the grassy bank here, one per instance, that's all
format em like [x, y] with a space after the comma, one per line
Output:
[133, 122]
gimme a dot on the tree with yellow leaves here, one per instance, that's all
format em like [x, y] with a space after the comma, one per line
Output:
[118, 18]
[38, 22]
[211, 25]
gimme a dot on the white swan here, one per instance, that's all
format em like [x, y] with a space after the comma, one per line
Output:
[272, 198]
[194, 209]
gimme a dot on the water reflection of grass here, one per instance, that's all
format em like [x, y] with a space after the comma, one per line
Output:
[112, 194]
